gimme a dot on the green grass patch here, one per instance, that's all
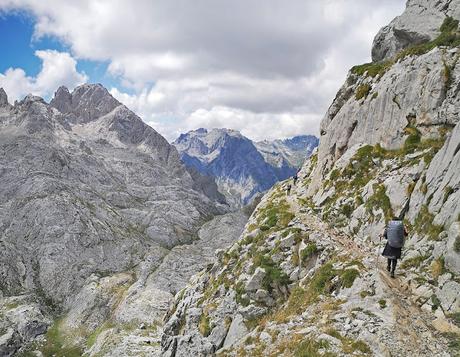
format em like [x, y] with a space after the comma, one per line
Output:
[362, 91]
[372, 69]
[310, 348]
[57, 344]
[448, 190]
[91, 340]
[379, 199]
[204, 326]
[273, 273]
[424, 225]
[448, 37]
[310, 250]
[414, 262]
[348, 277]
[382, 303]
[349, 345]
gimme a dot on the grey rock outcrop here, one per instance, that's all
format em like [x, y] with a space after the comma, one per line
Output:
[413, 92]
[419, 23]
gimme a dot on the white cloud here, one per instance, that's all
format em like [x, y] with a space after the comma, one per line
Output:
[58, 68]
[269, 63]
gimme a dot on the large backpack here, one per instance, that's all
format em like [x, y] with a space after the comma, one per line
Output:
[395, 234]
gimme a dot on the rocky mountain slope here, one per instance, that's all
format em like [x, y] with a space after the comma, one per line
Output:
[242, 168]
[294, 150]
[97, 214]
[306, 277]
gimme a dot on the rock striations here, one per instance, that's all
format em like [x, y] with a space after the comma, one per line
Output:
[242, 168]
[97, 214]
[306, 277]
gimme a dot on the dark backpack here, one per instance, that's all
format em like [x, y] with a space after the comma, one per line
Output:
[395, 234]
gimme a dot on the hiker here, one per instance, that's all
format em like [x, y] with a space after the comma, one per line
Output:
[288, 190]
[296, 177]
[395, 234]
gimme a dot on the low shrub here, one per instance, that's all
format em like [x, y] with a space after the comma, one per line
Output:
[348, 277]
[362, 91]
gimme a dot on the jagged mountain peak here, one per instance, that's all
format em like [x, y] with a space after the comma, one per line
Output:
[85, 103]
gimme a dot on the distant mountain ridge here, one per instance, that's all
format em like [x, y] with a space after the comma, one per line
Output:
[293, 150]
[243, 168]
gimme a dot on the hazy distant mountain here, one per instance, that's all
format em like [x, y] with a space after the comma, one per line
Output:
[294, 150]
[241, 167]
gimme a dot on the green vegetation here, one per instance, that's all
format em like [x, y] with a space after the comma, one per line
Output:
[348, 277]
[413, 139]
[410, 188]
[273, 273]
[350, 346]
[91, 340]
[382, 303]
[274, 215]
[455, 317]
[362, 91]
[447, 192]
[310, 348]
[346, 210]
[372, 69]
[11, 305]
[366, 293]
[454, 342]
[310, 250]
[239, 289]
[436, 303]
[320, 283]
[424, 224]
[414, 262]
[379, 199]
[204, 325]
[438, 267]
[57, 345]
[449, 37]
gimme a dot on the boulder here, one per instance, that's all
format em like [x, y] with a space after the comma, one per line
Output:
[452, 256]
[255, 281]
[236, 331]
[449, 296]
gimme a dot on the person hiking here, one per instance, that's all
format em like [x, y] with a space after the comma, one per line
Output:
[288, 189]
[395, 234]
[296, 177]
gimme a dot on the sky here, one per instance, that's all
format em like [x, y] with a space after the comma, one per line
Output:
[268, 68]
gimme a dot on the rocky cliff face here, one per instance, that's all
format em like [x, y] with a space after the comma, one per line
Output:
[94, 205]
[306, 276]
[243, 169]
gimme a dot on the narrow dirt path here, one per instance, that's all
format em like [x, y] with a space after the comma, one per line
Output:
[412, 333]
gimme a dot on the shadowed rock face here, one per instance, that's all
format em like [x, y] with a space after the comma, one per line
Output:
[87, 188]
[241, 167]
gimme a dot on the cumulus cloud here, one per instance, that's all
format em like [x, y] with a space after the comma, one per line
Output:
[262, 60]
[58, 68]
